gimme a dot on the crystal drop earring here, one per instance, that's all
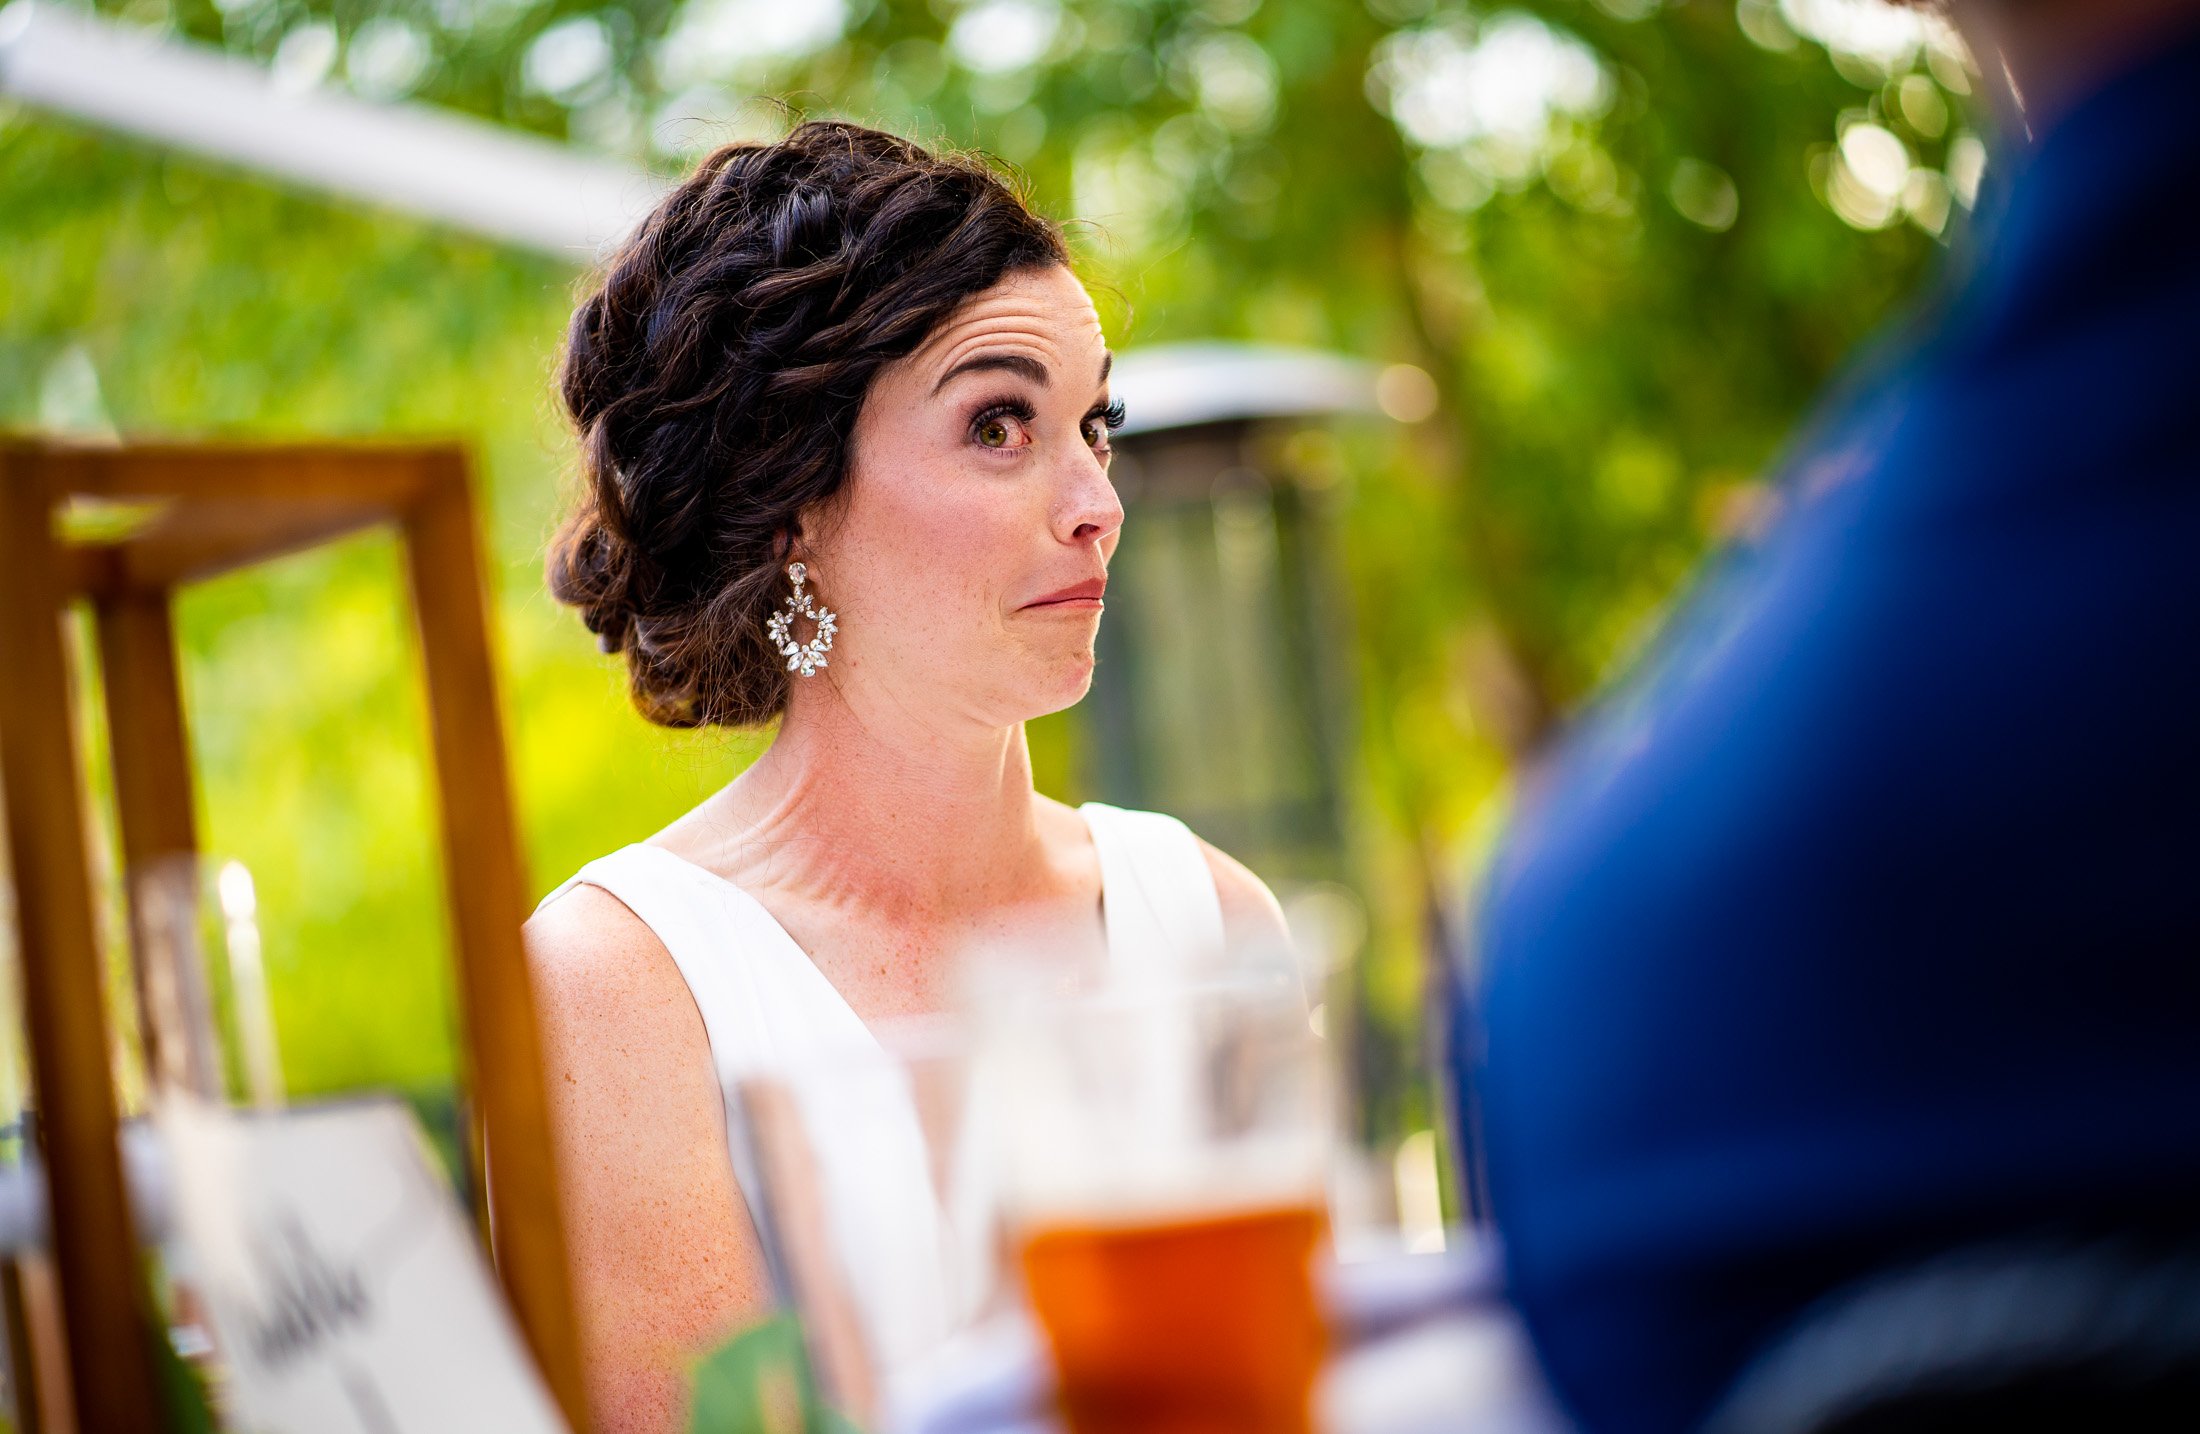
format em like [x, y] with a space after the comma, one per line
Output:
[802, 657]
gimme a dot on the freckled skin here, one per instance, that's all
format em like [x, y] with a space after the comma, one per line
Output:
[891, 827]
[942, 538]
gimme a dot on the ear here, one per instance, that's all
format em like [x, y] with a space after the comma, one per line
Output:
[809, 530]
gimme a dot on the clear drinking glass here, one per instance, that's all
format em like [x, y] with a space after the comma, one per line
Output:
[879, 1214]
[201, 984]
[1164, 1150]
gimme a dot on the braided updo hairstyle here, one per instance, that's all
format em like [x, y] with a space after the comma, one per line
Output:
[716, 373]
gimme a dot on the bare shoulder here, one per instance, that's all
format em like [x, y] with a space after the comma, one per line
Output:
[619, 1026]
[595, 963]
[1250, 912]
[623, 1046]
[664, 1263]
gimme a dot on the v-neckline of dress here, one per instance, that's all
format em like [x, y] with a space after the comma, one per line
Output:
[789, 947]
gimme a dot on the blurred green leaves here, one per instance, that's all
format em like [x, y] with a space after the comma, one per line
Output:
[759, 1382]
[1627, 240]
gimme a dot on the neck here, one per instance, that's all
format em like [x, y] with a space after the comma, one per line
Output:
[888, 809]
[2041, 57]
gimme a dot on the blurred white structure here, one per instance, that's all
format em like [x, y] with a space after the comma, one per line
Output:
[1184, 385]
[465, 172]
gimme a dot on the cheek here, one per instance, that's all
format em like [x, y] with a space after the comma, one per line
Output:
[934, 545]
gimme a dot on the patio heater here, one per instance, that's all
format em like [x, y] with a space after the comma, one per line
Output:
[1223, 692]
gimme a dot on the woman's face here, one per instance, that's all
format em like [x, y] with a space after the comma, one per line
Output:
[969, 549]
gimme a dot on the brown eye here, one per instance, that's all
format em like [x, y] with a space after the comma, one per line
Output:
[1002, 426]
[1102, 422]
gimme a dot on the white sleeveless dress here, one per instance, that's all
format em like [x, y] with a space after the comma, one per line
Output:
[765, 1005]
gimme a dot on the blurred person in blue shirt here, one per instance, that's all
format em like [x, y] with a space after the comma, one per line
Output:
[1864, 918]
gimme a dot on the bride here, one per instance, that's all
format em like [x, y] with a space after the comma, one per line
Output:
[844, 417]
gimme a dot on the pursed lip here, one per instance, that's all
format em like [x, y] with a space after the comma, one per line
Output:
[1084, 594]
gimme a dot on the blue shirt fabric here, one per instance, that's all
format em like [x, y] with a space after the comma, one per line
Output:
[1865, 916]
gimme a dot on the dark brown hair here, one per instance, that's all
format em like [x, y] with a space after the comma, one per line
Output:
[716, 373]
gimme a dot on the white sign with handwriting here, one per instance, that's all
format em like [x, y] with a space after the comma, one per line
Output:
[345, 1288]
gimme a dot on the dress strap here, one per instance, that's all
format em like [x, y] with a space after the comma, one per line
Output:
[1156, 887]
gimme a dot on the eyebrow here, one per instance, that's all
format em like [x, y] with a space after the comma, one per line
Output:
[1019, 364]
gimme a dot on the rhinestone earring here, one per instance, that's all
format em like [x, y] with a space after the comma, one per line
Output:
[803, 657]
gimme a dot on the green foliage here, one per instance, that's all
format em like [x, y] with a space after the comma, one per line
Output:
[210, 305]
[759, 1382]
[1622, 307]
[183, 1390]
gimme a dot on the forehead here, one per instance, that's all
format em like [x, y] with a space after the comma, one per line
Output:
[1043, 313]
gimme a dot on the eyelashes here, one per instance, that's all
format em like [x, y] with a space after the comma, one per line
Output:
[989, 416]
[1015, 408]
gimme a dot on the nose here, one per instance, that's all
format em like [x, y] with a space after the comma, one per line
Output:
[1087, 510]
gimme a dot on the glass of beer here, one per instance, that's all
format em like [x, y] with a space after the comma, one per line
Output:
[1164, 1151]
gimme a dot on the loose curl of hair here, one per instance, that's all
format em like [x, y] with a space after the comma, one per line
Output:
[715, 375]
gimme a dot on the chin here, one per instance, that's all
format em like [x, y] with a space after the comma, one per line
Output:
[1072, 694]
[1058, 685]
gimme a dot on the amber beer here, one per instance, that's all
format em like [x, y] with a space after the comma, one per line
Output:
[1204, 1324]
